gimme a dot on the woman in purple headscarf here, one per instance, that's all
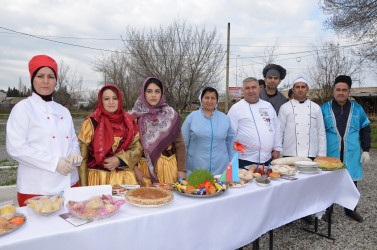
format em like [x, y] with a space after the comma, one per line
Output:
[159, 125]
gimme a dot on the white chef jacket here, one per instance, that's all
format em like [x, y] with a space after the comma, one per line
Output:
[302, 129]
[257, 126]
[38, 133]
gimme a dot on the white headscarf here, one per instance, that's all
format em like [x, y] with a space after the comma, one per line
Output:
[200, 97]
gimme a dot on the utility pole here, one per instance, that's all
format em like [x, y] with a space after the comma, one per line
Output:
[227, 72]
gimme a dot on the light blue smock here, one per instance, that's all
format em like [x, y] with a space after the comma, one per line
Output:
[209, 141]
[357, 119]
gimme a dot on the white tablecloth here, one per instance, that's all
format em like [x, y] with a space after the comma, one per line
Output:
[228, 221]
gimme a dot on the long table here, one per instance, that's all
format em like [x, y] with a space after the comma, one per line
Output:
[228, 221]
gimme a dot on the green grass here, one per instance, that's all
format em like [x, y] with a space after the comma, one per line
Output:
[10, 182]
[4, 161]
[8, 169]
[373, 134]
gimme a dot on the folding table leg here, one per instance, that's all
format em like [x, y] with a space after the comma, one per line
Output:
[271, 239]
[256, 244]
[329, 223]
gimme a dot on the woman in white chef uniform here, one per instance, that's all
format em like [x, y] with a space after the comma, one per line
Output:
[41, 137]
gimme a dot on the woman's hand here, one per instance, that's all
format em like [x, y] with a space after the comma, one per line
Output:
[75, 158]
[139, 176]
[182, 175]
[111, 163]
[64, 166]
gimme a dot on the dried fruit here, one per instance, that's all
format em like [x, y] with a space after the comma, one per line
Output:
[17, 220]
[7, 209]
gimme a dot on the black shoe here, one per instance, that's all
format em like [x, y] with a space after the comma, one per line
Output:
[354, 215]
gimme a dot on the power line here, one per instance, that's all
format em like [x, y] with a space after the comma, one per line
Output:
[87, 47]
[114, 51]
[50, 40]
[129, 40]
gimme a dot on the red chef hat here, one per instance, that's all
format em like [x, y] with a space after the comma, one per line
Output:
[42, 61]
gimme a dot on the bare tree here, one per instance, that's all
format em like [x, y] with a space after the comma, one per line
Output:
[92, 99]
[269, 55]
[186, 58]
[356, 20]
[68, 87]
[330, 61]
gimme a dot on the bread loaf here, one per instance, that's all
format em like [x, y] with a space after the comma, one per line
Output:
[329, 162]
[289, 160]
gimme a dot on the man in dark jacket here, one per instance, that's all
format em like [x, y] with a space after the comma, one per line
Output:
[347, 132]
[273, 74]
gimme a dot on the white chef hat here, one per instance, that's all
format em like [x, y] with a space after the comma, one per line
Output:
[300, 79]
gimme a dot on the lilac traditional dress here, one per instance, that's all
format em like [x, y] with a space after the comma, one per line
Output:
[161, 138]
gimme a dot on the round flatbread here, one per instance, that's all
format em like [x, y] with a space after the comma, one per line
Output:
[149, 196]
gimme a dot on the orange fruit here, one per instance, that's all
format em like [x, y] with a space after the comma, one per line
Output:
[17, 220]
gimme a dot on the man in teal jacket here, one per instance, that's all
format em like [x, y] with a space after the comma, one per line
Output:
[347, 126]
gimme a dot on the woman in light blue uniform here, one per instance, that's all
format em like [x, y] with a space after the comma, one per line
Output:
[208, 136]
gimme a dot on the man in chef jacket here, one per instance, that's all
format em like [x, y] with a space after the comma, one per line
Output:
[301, 124]
[256, 126]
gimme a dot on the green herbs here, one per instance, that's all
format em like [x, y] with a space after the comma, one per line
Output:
[199, 176]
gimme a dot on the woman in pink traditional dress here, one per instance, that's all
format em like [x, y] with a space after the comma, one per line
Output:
[159, 125]
[109, 142]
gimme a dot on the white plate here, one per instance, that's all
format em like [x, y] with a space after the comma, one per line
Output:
[274, 179]
[246, 179]
[238, 185]
[306, 164]
[288, 169]
[14, 229]
[51, 197]
[138, 205]
[296, 172]
[263, 184]
[310, 172]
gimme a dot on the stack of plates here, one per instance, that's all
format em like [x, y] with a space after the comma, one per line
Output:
[307, 166]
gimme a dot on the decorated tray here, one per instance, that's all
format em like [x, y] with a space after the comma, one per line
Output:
[11, 225]
[45, 205]
[96, 208]
[199, 196]
[200, 193]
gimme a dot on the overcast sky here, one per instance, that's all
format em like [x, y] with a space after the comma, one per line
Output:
[294, 25]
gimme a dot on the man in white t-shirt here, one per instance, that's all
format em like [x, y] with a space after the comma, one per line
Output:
[256, 125]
